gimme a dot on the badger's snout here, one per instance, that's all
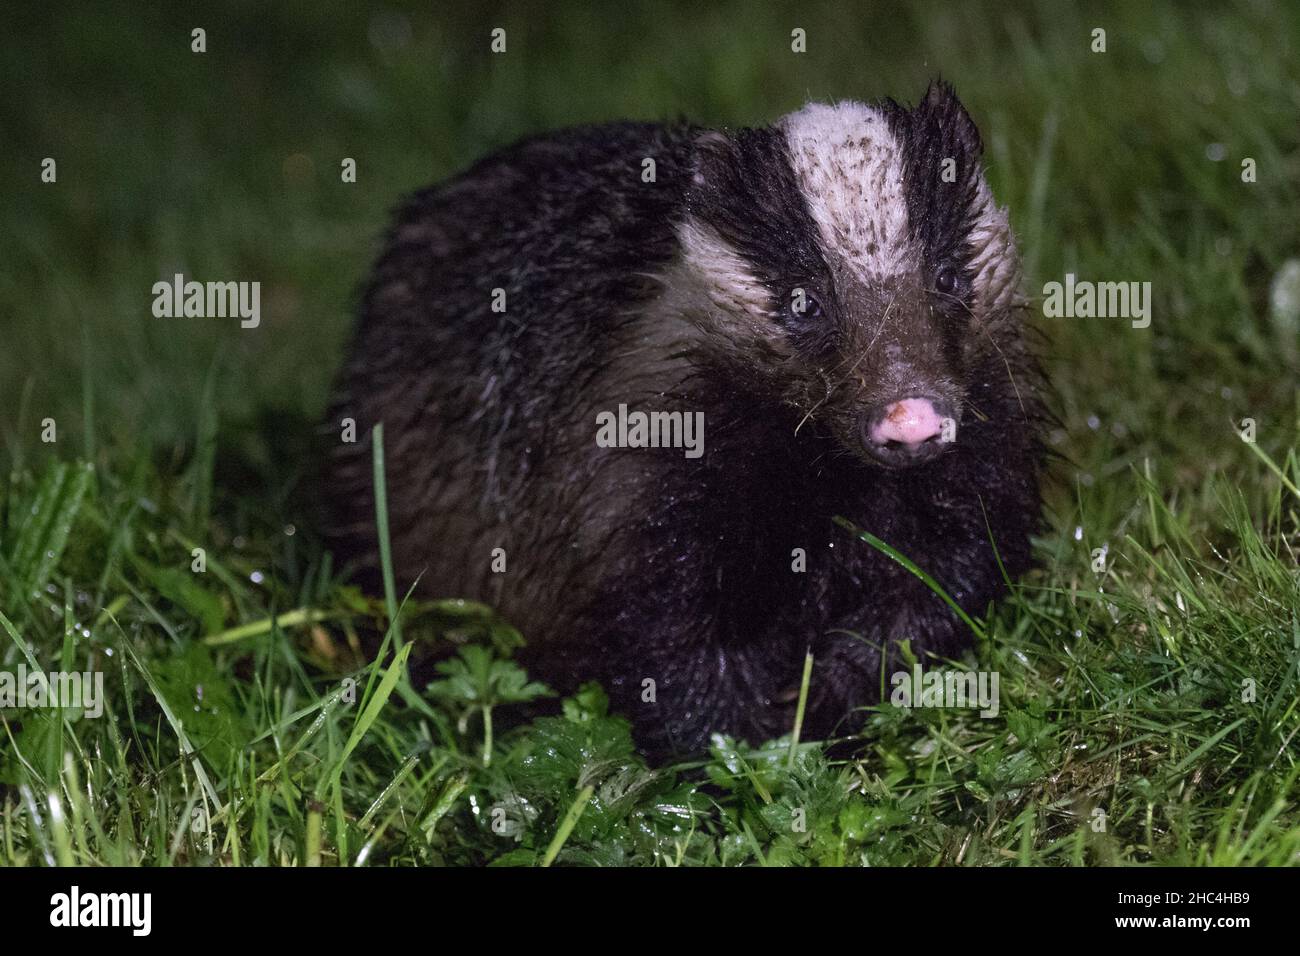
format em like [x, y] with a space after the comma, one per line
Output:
[909, 431]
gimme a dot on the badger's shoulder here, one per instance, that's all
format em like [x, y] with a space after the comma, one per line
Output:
[588, 200]
[511, 278]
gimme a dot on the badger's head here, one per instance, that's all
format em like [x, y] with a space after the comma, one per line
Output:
[850, 262]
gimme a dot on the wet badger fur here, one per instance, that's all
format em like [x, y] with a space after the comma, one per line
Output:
[845, 315]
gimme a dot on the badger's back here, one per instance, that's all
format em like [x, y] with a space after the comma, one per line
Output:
[480, 406]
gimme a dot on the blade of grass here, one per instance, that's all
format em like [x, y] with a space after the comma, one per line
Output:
[799, 709]
[368, 716]
[907, 563]
[567, 824]
[381, 526]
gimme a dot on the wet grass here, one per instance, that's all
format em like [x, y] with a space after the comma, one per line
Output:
[1149, 689]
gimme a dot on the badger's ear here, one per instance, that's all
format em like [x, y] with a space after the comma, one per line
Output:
[713, 156]
[941, 118]
[717, 173]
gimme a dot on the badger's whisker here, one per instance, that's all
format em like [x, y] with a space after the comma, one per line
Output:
[830, 388]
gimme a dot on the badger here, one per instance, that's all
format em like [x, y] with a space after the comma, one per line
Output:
[833, 298]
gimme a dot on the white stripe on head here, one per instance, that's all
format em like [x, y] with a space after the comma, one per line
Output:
[993, 255]
[850, 169]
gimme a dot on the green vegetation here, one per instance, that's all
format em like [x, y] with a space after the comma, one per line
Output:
[244, 723]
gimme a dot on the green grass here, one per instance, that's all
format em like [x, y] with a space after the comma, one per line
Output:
[244, 723]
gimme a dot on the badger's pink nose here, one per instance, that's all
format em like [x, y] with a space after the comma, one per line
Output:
[909, 422]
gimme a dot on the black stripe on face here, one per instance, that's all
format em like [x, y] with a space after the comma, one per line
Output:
[745, 188]
[940, 213]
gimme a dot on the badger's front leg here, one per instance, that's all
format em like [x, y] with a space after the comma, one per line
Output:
[676, 674]
[856, 660]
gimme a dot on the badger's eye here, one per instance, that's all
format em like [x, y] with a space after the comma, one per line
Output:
[804, 306]
[945, 281]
